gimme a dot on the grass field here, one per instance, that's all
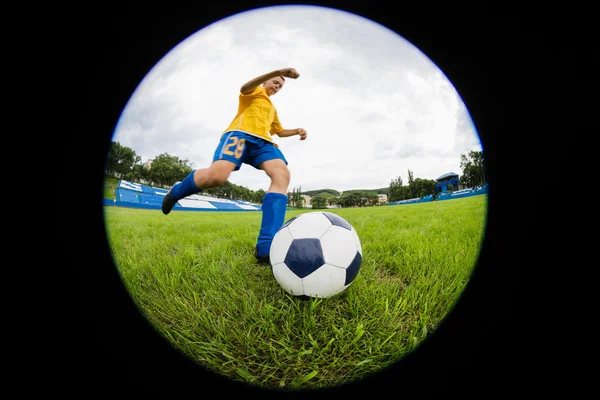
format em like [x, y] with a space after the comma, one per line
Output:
[194, 277]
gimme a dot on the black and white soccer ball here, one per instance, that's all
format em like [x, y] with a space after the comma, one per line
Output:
[316, 254]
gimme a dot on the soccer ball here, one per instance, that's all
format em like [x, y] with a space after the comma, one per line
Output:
[315, 254]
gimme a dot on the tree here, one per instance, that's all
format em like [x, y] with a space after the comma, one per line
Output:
[258, 196]
[139, 172]
[417, 187]
[232, 191]
[422, 187]
[121, 160]
[411, 193]
[224, 191]
[395, 189]
[295, 198]
[333, 200]
[473, 168]
[358, 198]
[167, 169]
[319, 201]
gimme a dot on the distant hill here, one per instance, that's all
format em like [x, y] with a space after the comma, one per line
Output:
[333, 192]
[375, 191]
[329, 192]
[385, 190]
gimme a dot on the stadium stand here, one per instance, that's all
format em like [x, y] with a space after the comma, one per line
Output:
[131, 194]
[415, 200]
[136, 195]
[463, 193]
[146, 198]
[445, 195]
[128, 196]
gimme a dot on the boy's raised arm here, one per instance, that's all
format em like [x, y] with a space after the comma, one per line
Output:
[253, 83]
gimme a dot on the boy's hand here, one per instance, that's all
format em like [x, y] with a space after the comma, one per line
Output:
[289, 73]
[302, 133]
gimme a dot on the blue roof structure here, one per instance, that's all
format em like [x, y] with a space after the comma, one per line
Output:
[446, 175]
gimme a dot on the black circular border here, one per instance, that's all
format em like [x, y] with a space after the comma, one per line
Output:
[105, 346]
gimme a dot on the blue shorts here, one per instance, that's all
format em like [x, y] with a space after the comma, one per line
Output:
[239, 147]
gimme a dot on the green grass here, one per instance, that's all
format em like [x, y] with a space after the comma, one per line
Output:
[110, 184]
[194, 277]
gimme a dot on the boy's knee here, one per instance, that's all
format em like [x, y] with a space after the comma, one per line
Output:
[217, 178]
[282, 174]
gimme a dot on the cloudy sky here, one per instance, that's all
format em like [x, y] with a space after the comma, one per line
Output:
[373, 104]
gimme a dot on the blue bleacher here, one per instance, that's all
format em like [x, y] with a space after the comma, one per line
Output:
[132, 194]
[224, 206]
[147, 189]
[127, 195]
[154, 199]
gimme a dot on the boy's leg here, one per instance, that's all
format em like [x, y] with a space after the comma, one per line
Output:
[228, 157]
[273, 207]
[199, 179]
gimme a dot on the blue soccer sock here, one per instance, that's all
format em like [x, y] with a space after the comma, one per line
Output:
[185, 188]
[273, 215]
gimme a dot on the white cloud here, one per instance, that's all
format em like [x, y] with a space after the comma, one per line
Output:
[374, 106]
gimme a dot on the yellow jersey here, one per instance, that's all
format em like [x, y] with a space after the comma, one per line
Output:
[256, 115]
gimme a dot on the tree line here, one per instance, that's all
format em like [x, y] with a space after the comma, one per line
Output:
[124, 163]
[473, 174]
[322, 199]
[165, 170]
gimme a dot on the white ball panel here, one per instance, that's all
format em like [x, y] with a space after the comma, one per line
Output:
[309, 225]
[280, 245]
[357, 241]
[324, 282]
[342, 289]
[339, 246]
[287, 279]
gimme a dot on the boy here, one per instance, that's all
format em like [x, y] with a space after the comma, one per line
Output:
[248, 140]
